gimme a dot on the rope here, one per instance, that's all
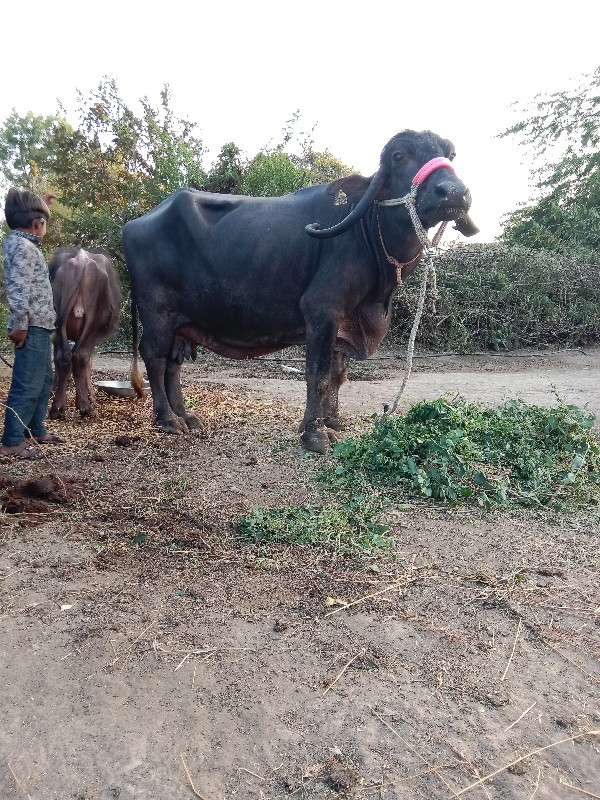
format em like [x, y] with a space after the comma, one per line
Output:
[429, 248]
[427, 268]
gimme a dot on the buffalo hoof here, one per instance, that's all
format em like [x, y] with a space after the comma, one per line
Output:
[173, 425]
[88, 413]
[333, 435]
[336, 423]
[192, 422]
[316, 440]
[57, 413]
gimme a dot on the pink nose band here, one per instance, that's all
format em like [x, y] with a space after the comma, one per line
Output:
[430, 167]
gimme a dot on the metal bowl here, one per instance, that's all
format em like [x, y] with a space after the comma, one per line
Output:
[118, 388]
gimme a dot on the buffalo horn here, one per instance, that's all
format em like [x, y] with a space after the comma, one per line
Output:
[357, 212]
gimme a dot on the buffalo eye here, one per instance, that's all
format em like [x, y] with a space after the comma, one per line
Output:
[398, 157]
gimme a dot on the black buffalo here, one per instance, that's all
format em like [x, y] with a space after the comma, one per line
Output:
[245, 276]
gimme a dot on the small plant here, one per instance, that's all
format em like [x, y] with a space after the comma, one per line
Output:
[350, 528]
[177, 485]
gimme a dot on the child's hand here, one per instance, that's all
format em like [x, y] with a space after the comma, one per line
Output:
[18, 337]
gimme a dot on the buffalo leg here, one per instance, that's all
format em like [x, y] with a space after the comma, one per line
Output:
[339, 374]
[155, 358]
[62, 373]
[175, 395]
[320, 336]
[82, 356]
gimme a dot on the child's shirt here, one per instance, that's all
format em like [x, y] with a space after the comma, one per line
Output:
[27, 282]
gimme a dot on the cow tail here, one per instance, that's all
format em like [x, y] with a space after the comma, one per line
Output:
[137, 379]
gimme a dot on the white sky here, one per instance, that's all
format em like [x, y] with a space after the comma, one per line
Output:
[362, 71]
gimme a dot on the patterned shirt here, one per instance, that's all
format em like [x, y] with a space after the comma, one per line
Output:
[27, 281]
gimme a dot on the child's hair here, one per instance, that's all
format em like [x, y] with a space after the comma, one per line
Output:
[23, 207]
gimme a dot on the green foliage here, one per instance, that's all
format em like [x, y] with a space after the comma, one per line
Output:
[562, 133]
[346, 528]
[291, 165]
[226, 174]
[117, 166]
[274, 174]
[493, 296]
[271, 175]
[26, 150]
[453, 452]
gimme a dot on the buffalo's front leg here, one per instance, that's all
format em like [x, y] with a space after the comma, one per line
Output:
[339, 374]
[82, 356]
[321, 331]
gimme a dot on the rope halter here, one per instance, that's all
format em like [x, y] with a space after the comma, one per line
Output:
[429, 248]
[409, 199]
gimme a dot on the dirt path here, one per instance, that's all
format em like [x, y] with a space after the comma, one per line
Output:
[144, 644]
[571, 375]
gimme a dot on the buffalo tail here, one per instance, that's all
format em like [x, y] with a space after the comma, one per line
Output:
[137, 379]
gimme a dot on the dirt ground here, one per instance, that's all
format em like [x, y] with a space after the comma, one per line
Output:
[147, 652]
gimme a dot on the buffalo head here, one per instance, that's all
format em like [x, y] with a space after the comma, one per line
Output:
[438, 197]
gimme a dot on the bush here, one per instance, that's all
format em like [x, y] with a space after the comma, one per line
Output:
[493, 296]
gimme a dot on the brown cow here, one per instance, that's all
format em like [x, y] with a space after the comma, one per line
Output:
[87, 298]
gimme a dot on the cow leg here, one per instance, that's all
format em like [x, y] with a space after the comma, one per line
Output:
[175, 395]
[82, 356]
[62, 373]
[154, 349]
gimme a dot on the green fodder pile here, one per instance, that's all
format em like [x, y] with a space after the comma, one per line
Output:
[448, 453]
[454, 451]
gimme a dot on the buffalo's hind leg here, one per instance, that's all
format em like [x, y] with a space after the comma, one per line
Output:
[82, 365]
[154, 349]
[62, 367]
[180, 350]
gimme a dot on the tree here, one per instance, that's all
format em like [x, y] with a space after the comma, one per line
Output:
[226, 174]
[26, 150]
[28, 160]
[117, 165]
[562, 132]
[290, 165]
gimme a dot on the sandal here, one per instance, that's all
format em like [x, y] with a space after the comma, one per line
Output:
[24, 452]
[47, 438]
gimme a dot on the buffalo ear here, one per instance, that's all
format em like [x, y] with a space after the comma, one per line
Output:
[465, 225]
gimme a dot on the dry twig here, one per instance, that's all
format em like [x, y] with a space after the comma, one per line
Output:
[577, 789]
[412, 749]
[537, 784]
[187, 772]
[522, 758]
[17, 781]
[389, 588]
[336, 679]
[518, 719]
[249, 771]
[513, 649]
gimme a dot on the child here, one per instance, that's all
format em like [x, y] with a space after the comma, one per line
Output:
[30, 325]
